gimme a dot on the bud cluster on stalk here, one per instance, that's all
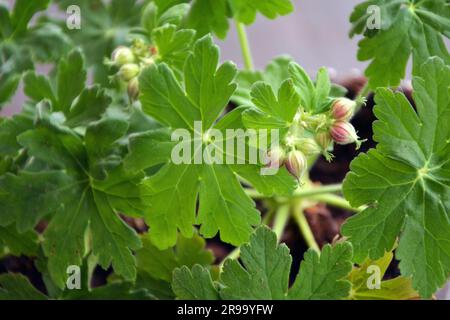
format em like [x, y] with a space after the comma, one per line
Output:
[342, 131]
[313, 134]
[130, 61]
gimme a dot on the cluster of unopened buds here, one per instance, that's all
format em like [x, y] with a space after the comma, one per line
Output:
[312, 135]
[131, 61]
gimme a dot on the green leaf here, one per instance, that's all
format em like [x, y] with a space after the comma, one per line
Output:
[173, 46]
[207, 86]
[275, 73]
[105, 26]
[89, 107]
[263, 273]
[158, 13]
[112, 291]
[70, 70]
[18, 244]
[161, 263]
[17, 287]
[272, 111]
[208, 16]
[405, 181]
[157, 141]
[314, 97]
[323, 277]
[47, 41]
[222, 207]
[29, 196]
[11, 128]
[5, 22]
[245, 10]
[195, 284]
[399, 288]
[23, 11]
[14, 60]
[407, 29]
[163, 98]
[85, 197]
[80, 105]
[38, 87]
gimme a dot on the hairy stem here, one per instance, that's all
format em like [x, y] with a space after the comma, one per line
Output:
[245, 46]
[304, 227]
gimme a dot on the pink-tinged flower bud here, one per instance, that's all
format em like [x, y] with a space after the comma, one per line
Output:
[344, 133]
[296, 163]
[343, 109]
[122, 55]
[129, 71]
[275, 157]
[308, 146]
[133, 89]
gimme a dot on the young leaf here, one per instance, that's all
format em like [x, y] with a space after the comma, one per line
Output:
[407, 28]
[399, 288]
[207, 16]
[274, 74]
[173, 46]
[315, 97]
[405, 181]
[80, 105]
[245, 10]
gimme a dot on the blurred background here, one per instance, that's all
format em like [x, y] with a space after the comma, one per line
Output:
[315, 35]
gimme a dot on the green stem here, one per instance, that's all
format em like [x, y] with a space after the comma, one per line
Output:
[268, 217]
[301, 193]
[304, 227]
[335, 201]
[246, 51]
[281, 220]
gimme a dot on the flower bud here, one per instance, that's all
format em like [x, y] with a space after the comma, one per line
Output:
[343, 109]
[133, 89]
[296, 163]
[129, 71]
[122, 55]
[344, 133]
[324, 140]
[309, 146]
[275, 157]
